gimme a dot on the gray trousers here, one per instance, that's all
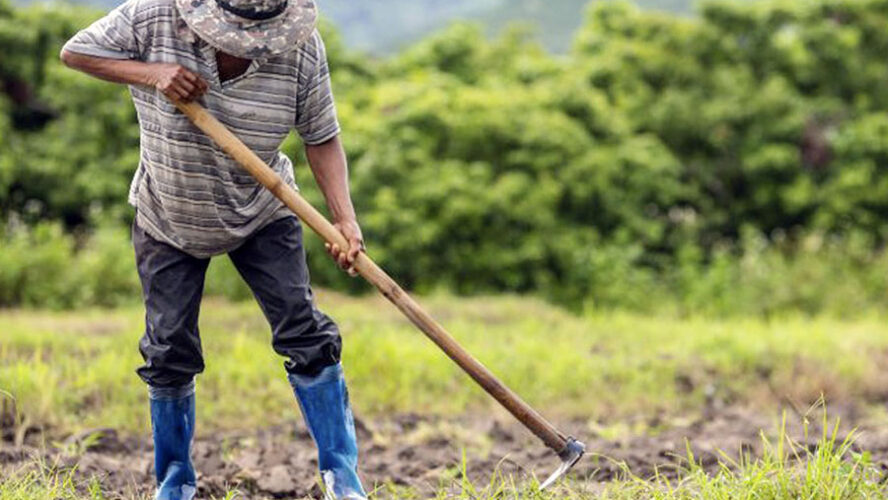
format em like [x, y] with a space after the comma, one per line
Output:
[272, 262]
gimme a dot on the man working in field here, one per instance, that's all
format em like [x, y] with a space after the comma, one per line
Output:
[260, 67]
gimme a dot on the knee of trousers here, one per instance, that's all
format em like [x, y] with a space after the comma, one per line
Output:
[309, 345]
[169, 364]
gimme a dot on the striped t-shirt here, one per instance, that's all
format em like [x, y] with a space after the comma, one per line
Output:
[187, 191]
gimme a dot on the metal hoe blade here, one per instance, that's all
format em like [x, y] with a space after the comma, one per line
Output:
[570, 455]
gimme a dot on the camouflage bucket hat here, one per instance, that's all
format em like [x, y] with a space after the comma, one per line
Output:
[252, 29]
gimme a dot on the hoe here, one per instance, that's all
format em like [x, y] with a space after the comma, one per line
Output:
[569, 450]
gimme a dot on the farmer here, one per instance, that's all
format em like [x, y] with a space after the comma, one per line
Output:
[261, 69]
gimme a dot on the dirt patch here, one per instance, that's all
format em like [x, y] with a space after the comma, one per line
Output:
[425, 453]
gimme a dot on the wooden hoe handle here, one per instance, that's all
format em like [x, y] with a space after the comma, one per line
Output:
[375, 275]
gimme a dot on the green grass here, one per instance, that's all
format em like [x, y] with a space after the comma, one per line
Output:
[43, 481]
[74, 371]
[787, 470]
[68, 372]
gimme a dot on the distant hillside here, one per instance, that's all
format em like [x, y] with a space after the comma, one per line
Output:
[381, 26]
[384, 25]
[555, 21]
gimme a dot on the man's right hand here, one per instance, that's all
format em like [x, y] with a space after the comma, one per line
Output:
[177, 82]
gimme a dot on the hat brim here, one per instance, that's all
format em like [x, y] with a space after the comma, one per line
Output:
[250, 39]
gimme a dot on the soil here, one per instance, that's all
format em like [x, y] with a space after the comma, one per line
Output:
[420, 452]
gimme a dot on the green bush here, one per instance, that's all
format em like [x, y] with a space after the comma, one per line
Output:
[42, 266]
[34, 267]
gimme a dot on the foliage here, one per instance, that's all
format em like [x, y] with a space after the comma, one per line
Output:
[493, 166]
[82, 161]
[40, 267]
[726, 163]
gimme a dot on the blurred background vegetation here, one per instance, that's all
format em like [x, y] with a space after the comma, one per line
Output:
[730, 162]
[384, 26]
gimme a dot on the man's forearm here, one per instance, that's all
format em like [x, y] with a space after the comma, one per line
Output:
[330, 169]
[175, 81]
[113, 70]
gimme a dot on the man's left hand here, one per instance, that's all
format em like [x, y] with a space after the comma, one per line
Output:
[345, 258]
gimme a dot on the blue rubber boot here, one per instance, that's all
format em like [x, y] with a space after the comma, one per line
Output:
[324, 403]
[172, 421]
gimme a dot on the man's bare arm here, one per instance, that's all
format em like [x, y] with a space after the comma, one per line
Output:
[330, 169]
[173, 80]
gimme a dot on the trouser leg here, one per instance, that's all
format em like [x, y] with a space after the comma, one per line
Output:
[273, 264]
[172, 286]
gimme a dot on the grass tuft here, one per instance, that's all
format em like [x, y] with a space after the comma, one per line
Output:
[825, 469]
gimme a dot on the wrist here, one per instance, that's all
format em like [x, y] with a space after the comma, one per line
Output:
[149, 74]
[345, 219]
[342, 213]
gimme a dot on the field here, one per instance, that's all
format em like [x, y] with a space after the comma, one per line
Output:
[645, 393]
[671, 239]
